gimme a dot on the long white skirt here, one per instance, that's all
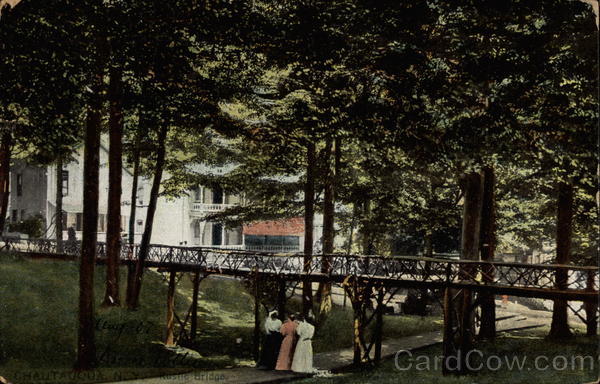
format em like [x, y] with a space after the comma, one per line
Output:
[303, 357]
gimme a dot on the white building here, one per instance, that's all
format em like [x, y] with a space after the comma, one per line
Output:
[33, 192]
[179, 221]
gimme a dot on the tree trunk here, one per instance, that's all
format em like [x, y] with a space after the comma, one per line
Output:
[487, 246]
[325, 303]
[367, 236]
[86, 347]
[309, 213]
[58, 221]
[132, 213]
[352, 226]
[134, 187]
[115, 165]
[473, 201]
[145, 243]
[5, 155]
[560, 324]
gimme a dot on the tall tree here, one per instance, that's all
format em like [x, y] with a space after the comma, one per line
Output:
[86, 345]
[564, 230]
[309, 217]
[5, 158]
[329, 180]
[487, 245]
[115, 166]
[58, 220]
[144, 247]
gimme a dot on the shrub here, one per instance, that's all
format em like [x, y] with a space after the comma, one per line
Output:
[32, 227]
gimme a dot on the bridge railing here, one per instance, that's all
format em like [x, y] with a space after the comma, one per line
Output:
[384, 267]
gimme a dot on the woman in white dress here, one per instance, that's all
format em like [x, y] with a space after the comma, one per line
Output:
[303, 355]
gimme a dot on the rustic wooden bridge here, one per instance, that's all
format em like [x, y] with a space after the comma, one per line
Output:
[370, 282]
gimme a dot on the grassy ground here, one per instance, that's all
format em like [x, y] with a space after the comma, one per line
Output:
[517, 349]
[38, 325]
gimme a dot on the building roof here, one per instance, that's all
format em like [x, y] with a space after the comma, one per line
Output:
[286, 227]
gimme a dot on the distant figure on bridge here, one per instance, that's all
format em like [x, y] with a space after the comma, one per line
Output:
[288, 345]
[272, 342]
[303, 355]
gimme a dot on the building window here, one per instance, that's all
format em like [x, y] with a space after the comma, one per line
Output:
[65, 183]
[263, 240]
[198, 194]
[124, 223]
[15, 215]
[217, 195]
[22, 214]
[19, 184]
[217, 234]
[233, 236]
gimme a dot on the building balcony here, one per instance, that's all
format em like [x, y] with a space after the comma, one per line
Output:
[202, 208]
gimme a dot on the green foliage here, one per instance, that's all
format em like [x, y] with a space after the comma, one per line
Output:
[32, 226]
[417, 93]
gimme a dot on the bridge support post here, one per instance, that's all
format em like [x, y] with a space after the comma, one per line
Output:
[256, 339]
[130, 279]
[591, 307]
[360, 296]
[358, 344]
[466, 330]
[448, 345]
[458, 330]
[170, 338]
[281, 298]
[488, 316]
[194, 307]
[379, 325]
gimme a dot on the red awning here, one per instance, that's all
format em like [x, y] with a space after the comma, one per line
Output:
[288, 227]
